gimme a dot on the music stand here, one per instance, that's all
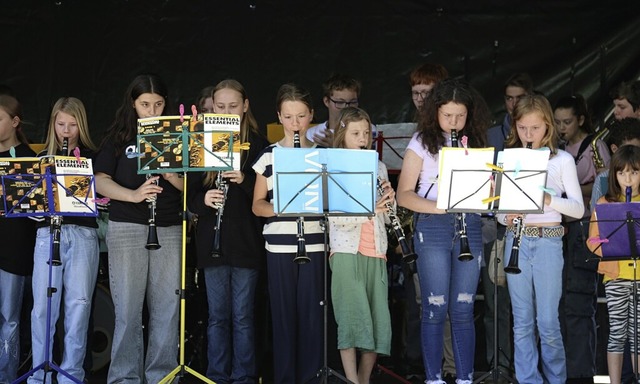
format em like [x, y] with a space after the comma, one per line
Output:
[619, 225]
[60, 198]
[324, 182]
[459, 167]
[189, 145]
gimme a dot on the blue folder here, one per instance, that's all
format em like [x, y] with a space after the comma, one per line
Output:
[303, 176]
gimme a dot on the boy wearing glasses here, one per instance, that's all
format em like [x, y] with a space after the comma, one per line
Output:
[422, 80]
[339, 91]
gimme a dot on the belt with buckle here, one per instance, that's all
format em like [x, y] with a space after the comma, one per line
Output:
[541, 231]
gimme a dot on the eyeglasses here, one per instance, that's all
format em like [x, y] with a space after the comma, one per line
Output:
[419, 94]
[342, 104]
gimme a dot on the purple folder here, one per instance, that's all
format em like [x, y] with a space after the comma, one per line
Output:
[617, 222]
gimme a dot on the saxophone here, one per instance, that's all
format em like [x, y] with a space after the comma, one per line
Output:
[597, 157]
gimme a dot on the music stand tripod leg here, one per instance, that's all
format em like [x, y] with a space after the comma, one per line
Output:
[54, 261]
[182, 369]
[325, 371]
[495, 372]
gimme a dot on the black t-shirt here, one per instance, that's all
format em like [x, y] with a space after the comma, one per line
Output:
[241, 231]
[123, 169]
[17, 234]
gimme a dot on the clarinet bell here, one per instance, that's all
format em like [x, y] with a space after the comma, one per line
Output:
[465, 252]
[407, 255]
[301, 253]
[216, 252]
[512, 267]
[152, 239]
[55, 260]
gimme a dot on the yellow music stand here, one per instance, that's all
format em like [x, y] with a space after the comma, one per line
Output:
[171, 143]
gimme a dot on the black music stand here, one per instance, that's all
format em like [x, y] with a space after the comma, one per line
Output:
[507, 196]
[181, 149]
[40, 184]
[619, 227]
[347, 189]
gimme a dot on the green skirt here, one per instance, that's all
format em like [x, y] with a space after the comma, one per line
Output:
[359, 292]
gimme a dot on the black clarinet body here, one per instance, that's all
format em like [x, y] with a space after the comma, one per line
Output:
[56, 221]
[301, 252]
[65, 147]
[56, 224]
[465, 251]
[152, 237]
[518, 223]
[222, 185]
[408, 256]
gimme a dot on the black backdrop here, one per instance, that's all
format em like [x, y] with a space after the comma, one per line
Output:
[92, 50]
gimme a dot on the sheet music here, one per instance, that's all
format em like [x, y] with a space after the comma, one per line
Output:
[464, 178]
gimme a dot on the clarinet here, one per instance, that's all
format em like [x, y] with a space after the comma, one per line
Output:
[152, 237]
[518, 222]
[65, 147]
[407, 255]
[465, 251]
[301, 252]
[222, 185]
[56, 221]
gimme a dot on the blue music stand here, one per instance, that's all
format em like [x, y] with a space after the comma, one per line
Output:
[324, 182]
[37, 183]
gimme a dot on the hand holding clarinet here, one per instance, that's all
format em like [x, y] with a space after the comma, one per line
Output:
[216, 198]
[152, 237]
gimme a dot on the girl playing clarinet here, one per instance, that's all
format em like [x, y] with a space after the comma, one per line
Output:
[618, 275]
[137, 273]
[359, 283]
[295, 290]
[231, 270]
[75, 278]
[447, 283]
[535, 292]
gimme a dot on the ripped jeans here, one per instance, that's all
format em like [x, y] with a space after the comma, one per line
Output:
[74, 281]
[447, 285]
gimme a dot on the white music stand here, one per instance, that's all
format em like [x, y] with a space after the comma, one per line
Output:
[466, 187]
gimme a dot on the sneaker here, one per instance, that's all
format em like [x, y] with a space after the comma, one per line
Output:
[449, 378]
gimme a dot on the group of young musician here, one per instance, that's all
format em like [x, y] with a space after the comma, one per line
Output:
[237, 228]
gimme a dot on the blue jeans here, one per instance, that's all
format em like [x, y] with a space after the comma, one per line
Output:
[11, 290]
[136, 273]
[447, 285]
[535, 298]
[74, 281]
[231, 344]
